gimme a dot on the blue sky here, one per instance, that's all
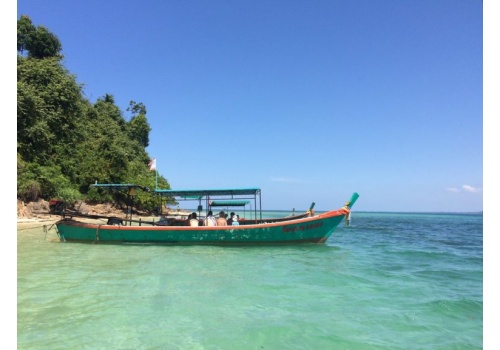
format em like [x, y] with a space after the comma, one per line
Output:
[307, 100]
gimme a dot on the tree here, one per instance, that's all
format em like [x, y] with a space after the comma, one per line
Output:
[136, 108]
[38, 41]
[49, 107]
[138, 126]
[42, 44]
[64, 142]
[24, 29]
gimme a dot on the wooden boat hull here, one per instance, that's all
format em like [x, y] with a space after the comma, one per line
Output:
[316, 229]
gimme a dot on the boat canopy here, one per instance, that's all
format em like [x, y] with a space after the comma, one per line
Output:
[222, 197]
[229, 203]
[213, 192]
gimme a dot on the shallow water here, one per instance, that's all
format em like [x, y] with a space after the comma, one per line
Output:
[388, 281]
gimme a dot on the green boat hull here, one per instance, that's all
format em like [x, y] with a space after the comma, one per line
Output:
[316, 229]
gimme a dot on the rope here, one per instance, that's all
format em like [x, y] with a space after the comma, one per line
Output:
[27, 228]
[46, 230]
[97, 234]
[30, 225]
[345, 209]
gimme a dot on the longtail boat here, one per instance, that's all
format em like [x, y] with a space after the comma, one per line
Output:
[312, 229]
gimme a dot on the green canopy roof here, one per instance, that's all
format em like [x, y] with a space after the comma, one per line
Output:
[229, 203]
[222, 197]
[213, 192]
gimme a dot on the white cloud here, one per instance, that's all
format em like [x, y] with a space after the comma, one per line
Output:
[468, 188]
[465, 188]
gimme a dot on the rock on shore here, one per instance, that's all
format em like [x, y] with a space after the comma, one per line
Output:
[40, 210]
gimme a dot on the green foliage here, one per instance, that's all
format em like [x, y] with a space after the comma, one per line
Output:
[136, 108]
[138, 127]
[42, 44]
[38, 41]
[24, 29]
[138, 130]
[64, 142]
[35, 180]
[96, 196]
[49, 107]
[28, 190]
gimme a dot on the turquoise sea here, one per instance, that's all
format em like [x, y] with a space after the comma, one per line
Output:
[388, 281]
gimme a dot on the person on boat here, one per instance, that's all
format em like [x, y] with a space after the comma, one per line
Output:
[187, 223]
[194, 220]
[230, 220]
[221, 220]
[235, 220]
[210, 220]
